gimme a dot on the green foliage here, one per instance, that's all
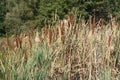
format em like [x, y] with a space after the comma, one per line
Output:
[2, 16]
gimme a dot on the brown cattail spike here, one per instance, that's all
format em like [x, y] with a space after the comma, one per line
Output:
[8, 42]
[109, 40]
[50, 36]
[62, 29]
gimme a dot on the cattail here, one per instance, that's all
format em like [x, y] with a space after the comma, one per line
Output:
[62, 29]
[63, 33]
[109, 40]
[18, 40]
[8, 42]
[50, 36]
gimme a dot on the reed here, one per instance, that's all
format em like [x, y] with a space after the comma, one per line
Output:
[80, 57]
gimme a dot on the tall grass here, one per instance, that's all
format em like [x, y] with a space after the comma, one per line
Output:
[74, 51]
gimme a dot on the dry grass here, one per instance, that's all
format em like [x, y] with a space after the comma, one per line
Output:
[76, 51]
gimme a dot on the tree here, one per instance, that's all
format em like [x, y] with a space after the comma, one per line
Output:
[19, 16]
[2, 16]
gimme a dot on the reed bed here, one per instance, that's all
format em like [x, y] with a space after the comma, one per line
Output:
[82, 50]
